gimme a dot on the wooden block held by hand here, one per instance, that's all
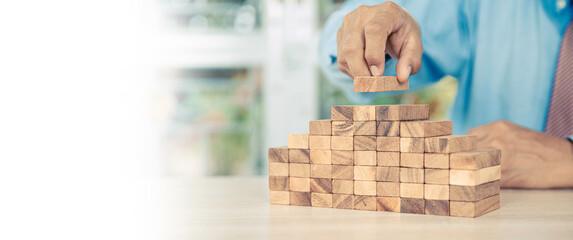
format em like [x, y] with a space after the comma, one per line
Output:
[365, 128]
[474, 193]
[278, 183]
[320, 127]
[402, 112]
[340, 157]
[300, 198]
[365, 143]
[342, 143]
[388, 204]
[388, 128]
[342, 113]
[412, 205]
[321, 200]
[362, 202]
[343, 201]
[342, 128]
[450, 144]
[475, 177]
[475, 159]
[379, 84]
[342, 186]
[367, 188]
[388, 144]
[437, 207]
[278, 154]
[474, 209]
[412, 145]
[425, 128]
[298, 141]
[279, 197]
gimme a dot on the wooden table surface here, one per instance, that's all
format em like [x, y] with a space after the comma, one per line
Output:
[238, 208]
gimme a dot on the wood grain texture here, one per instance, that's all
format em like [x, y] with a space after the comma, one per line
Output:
[412, 205]
[366, 173]
[362, 202]
[320, 127]
[342, 186]
[436, 192]
[342, 143]
[474, 193]
[388, 204]
[366, 188]
[365, 143]
[388, 144]
[412, 160]
[318, 156]
[475, 159]
[321, 200]
[451, 144]
[425, 128]
[300, 198]
[278, 183]
[364, 113]
[278, 154]
[299, 170]
[278, 169]
[388, 189]
[388, 128]
[365, 128]
[342, 128]
[437, 160]
[379, 84]
[340, 157]
[321, 171]
[437, 176]
[343, 201]
[402, 112]
[388, 174]
[321, 185]
[412, 190]
[342, 113]
[297, 184]
[299, 156]
[343, 172]
[474, 209]
[437, 207]
[299, 141]
[365, 158]
[319, 142]
[412, 145]
[475, 177]
[279, 197]
[391, 159]
[411, 175]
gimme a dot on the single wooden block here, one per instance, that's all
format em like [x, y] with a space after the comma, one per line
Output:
[425, 128]
[321, 171]
[475, 177]
[412, 205]
[321, 185]
[391, 159]
[299, 156]
[388, 128]
[364, 113]
[321, 200]
[411, 175]
[365, 128]
[474, 193]
[343, 201]
[367, 188]
[402, 112]
[343, 172]
[437, 160]
[320, 127]
[411, 190]
[297, 184]
[437, 176]
[298, 141]
[279, 197]
[319, 142]
[278, 169]
[299, 170]
[412, 160]
[318, 156]
[342, 143]
[278, 154]
[365, 143]
[475, 159]
[412, 145]
[366, 173]
[365, 158]
[388, 174]
[388, 189]
[388, 144]
[278, 183]
[342, 128]
[436, 192]
[437, 207]
[451, 144]
[300, 198]
[340, 157]
[342, 113]
[362, 202]
[379, 84]
[474, 209]
[343, 186]
[388, 204]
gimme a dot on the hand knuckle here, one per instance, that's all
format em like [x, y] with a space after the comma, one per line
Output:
[348, 48]
[390, 4]
[373, 28]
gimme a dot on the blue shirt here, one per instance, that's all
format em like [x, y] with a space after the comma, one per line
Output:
[504, 54]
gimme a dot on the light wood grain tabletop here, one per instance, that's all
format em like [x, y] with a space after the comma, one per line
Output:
[238, 208]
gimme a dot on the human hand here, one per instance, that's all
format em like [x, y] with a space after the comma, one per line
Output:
[529, 159]
[369, 32]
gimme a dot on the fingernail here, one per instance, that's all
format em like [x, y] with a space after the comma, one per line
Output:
[375, 71]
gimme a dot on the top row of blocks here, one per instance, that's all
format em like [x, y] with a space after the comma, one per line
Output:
[380, 112]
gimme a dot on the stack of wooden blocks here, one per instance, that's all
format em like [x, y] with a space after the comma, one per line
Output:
[385, 158]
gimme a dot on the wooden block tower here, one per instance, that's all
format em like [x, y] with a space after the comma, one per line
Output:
[385, 158]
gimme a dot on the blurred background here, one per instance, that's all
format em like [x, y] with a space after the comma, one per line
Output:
[237, 76]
